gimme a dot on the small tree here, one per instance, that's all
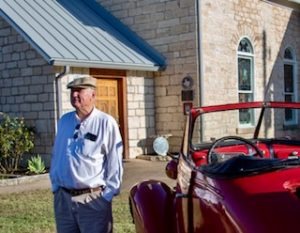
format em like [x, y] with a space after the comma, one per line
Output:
[15, 139]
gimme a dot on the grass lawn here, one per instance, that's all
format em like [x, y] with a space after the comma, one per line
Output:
[32, 212]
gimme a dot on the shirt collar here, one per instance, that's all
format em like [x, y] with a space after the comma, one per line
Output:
[85, 120]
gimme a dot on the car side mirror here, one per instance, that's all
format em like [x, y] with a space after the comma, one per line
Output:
[171, 168]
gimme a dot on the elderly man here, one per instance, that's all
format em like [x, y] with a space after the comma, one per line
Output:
[86, 166]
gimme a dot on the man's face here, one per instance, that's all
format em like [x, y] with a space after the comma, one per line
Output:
[82, 98]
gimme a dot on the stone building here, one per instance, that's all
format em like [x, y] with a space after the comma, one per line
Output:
[219, 44]
[225, 51]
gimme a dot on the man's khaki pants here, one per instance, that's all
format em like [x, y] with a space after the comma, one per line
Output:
[86, 213]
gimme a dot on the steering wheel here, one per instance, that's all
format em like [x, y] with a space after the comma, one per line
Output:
[214, 157]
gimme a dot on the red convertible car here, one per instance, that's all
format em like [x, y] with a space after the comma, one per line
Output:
[238, 171]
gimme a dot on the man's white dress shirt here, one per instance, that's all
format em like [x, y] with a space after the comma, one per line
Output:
[87, 154]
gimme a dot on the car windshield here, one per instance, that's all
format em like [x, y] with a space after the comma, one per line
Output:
[234, 140]
[276, 123]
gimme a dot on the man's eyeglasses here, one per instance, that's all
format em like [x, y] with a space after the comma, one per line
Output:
[75, 136]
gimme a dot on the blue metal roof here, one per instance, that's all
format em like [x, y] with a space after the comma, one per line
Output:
[79, 33]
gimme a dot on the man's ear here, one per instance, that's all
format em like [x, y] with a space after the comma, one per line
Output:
[94, 94]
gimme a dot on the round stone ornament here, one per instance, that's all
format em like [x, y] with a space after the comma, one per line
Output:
[161, 146]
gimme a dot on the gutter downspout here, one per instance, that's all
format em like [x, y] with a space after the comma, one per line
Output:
[58, 94]
[199, 59]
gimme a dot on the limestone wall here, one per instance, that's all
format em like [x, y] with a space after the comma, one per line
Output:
[271, 28]
[141, 113]
[27, 86]
[169, 27]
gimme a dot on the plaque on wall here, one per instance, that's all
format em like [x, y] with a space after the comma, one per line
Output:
[187, 95]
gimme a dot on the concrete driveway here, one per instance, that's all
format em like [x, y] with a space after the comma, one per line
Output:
[135, 170]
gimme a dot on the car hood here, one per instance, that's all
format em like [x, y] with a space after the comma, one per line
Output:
[266, 202]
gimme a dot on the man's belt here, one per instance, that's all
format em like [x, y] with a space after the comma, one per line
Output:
[77, 192]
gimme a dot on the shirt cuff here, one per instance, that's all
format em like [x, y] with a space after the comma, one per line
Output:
[108, 194]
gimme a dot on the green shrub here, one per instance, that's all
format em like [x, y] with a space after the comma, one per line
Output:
[15, 140]
[36, 165]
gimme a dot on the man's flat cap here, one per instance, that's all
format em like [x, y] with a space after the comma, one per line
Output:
[84, 81]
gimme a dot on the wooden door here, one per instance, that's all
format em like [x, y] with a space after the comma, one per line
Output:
[107, 98]
[111, 98]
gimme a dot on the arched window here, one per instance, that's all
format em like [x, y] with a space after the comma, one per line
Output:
[289, 69]
[245, 80]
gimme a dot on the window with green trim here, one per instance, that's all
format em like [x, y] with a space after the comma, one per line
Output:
[289, 85]
[245, 80]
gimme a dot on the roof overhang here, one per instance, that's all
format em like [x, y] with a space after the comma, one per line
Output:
[103, 65]
[79, 33]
